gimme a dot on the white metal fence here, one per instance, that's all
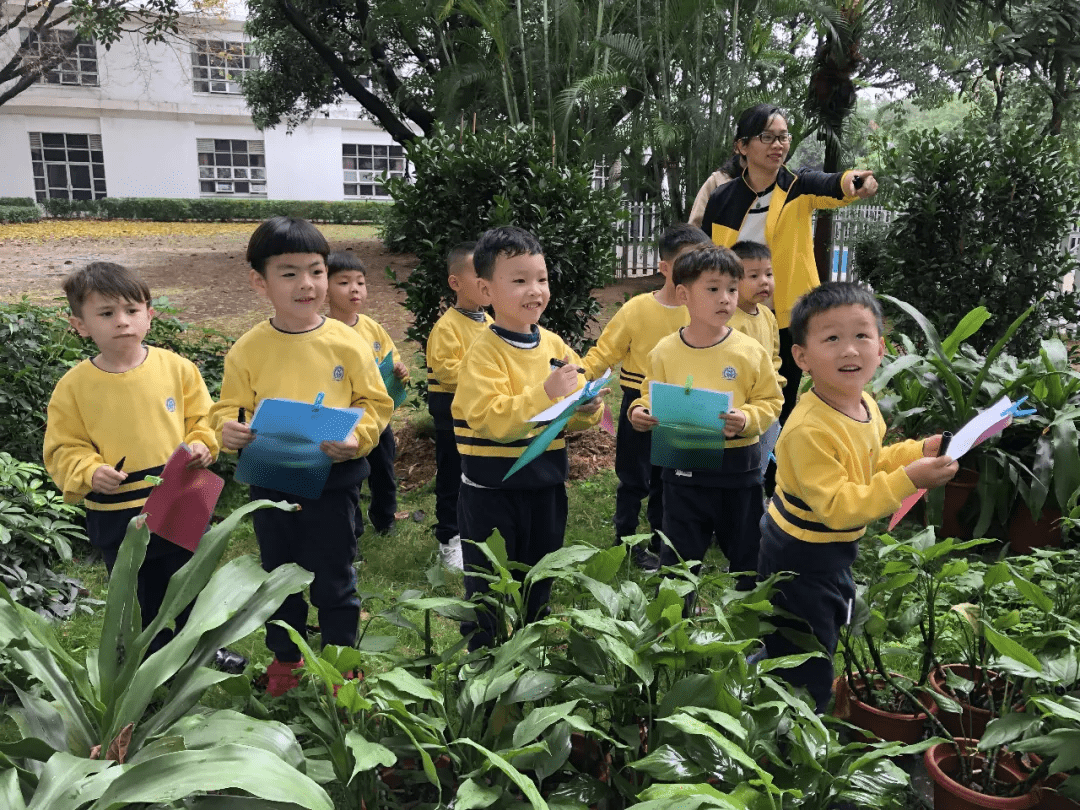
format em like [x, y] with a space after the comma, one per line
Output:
[637, 254]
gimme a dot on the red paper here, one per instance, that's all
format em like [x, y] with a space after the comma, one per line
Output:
[607, 422]
[179, 508]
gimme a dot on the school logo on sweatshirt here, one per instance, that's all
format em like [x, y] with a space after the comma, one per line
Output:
[730, 373]
[339, 373]
[170, 405]
[377, 346]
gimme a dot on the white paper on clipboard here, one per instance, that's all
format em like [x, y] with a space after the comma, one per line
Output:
[550, 414]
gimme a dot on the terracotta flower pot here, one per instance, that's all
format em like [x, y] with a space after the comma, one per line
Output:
[971, 722]
[1025, 534]
[885, 725]
[942, 763]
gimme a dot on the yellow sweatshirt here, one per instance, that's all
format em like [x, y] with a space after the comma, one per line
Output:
[266, 363]
[501, 387]
[376, 337]
[832, 474]
[630, 335]
[762, 328]
[98, 417]
[450, 338]
[737, 365]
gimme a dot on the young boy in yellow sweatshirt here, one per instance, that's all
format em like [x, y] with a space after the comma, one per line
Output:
[755, 319]
[723, 502]
[628, 338]
[298, 354]
[832, 474]
[346, 293]
[450, 338]
[506, 378]
[116, 419]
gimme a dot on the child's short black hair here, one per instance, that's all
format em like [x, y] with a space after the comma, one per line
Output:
[280, 235]
[751, 251]
[828, 296]
[341, 260]
[678, 236]
[458, 254]
[108, 279]
[506, 240]
[691, 264]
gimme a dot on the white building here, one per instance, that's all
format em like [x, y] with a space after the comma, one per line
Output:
[142, 120]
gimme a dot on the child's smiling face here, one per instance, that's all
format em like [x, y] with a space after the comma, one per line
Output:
[842, 350]
[517, 291]
[295, 284]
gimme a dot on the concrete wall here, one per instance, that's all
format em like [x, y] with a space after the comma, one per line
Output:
[149, 117]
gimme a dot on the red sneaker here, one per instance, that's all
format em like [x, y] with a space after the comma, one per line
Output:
[281, 677]
[351, 675]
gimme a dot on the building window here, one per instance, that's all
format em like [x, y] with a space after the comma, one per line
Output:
[219, 67]
[232, 167]
[70, 59]
[365, 164]
[67, 166]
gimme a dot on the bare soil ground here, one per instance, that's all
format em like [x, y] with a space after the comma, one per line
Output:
[200, 267]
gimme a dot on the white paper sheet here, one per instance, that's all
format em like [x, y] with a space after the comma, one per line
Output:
[551, 413]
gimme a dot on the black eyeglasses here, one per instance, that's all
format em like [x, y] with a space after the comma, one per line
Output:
[768, 138]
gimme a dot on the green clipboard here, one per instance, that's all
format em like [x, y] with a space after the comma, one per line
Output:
[394, 387]
[690, 435]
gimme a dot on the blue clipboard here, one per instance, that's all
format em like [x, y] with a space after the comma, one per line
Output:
[394, 386]
[690, 435]
[285, 454]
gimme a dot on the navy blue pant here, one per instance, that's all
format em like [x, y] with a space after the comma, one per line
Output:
[694, 515]
[791, 372]
[532, 522]
[819, 602]
[447, 485]
[320, 538]
[106, 531]
[638, 478]
[382, 484]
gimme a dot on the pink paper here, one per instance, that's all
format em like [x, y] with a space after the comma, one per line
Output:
[905, 507]
[606, 421]
[179, 508]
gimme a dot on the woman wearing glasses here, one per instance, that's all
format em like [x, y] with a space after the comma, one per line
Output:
[754, 197]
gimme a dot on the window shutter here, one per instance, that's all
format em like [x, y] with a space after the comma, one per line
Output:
[256, 147]
[95, 143]
[204, 144]
[35, 140]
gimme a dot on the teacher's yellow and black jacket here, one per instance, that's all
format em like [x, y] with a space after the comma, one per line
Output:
[787, 226]
[500, 388]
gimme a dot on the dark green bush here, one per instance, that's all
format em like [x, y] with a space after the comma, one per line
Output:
[37, 346]
[464, 184]
[36, 530]
[19, 213]
[981, 220]
[19, 202]
[217, 210]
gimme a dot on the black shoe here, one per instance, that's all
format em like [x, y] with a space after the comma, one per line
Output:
[646, 560]
[228, 661]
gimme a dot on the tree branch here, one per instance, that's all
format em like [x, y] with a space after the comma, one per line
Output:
[386, 117]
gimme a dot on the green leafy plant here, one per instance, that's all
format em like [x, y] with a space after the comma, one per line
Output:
[465, 183]
[981, 217]
[123, 728]
[19, 213]
[37, 530]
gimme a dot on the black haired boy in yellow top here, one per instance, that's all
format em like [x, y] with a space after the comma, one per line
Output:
[505, 379]
[450, 338]
[724, 503]
[832, 474]
[628, 338]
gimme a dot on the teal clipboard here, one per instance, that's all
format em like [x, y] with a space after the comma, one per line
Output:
[690, 435]
[394, 386]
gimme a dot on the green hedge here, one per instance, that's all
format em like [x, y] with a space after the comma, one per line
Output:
[19, 202]
[216, 210]
[18, 213]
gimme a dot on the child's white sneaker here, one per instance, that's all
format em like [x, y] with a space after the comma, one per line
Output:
[450, 554]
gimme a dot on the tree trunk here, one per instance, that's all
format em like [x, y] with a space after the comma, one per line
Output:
[823, 229]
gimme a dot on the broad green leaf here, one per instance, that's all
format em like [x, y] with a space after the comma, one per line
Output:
[530, 687]
[171, 777]
[1007, 728]
[690, 725]
[668, 765]
[540, 720]
[208, 730]
[524, 784]
[472, 795]
[1009, 648]
[10, 794]
[1062, 744]
[605, 564]
[968, 326]
[367, 755]
[408, 684]
[703, 790]
[28, 748]
[1034, 593]
[61, 779]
